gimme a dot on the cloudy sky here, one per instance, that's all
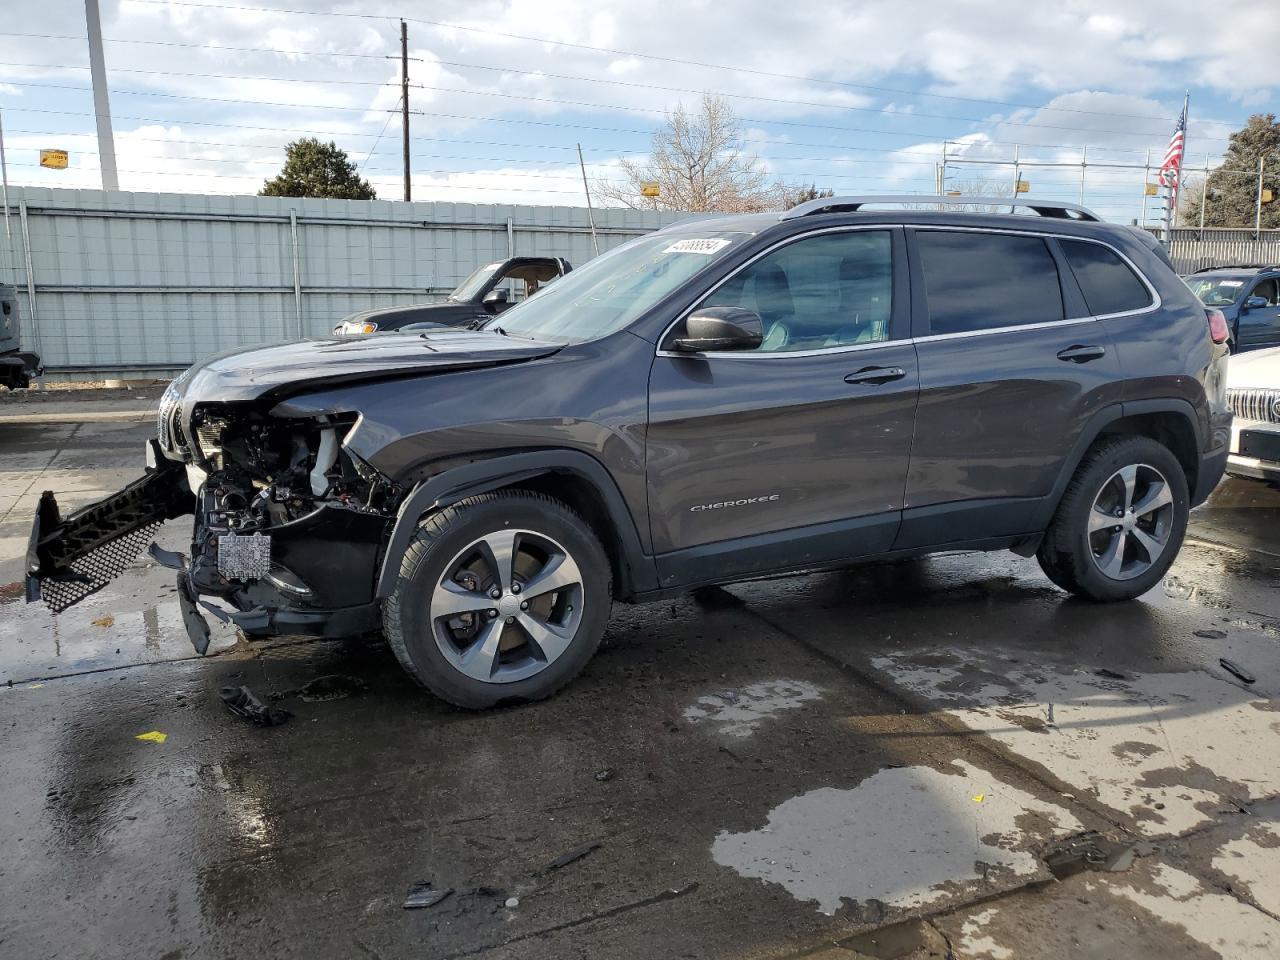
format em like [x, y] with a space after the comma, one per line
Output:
[859, 98]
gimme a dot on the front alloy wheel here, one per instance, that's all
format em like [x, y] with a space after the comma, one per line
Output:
[507, 606]
[502, 596]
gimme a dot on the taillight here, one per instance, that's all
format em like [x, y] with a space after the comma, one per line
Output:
[1218, 328]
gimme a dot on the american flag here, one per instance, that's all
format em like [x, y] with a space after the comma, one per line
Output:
[1171, 166]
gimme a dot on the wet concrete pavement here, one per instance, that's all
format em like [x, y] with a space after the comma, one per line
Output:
[864, 763]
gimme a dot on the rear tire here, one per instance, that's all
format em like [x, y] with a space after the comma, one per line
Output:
[501, 597]
[1121, 522]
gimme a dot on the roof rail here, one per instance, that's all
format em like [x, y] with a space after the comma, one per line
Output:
[1046, 208]
[1257, 268]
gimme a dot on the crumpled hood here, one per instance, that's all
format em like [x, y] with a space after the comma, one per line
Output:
[1257, 369]
[280, 369]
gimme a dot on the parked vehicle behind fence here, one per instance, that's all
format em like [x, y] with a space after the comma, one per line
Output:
[489, 291]
[17, 369]
[715, 402]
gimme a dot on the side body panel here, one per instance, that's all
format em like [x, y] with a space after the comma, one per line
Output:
[999, 414]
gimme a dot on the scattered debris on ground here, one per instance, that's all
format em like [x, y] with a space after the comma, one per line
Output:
[912, 938]
[512, 902]
[106, 620]
[421, 894]
[1210, 634]
[573, 855]
[152, 736]
[1110, 674]
[243, 703]
[1092, 851]
[605, 775]
[1237, 671]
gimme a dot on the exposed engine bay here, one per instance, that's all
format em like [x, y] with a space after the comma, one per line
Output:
[288, 524]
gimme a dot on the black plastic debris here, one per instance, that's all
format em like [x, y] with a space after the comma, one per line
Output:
[421, 895]
[332, 686]
[1210, 634]
[605, 775]
[573, 855]
[1237, 671]
[243, 703]
[1110, 674]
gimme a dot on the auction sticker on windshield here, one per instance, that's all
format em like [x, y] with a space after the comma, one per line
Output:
[1231, 283]
[707, 247]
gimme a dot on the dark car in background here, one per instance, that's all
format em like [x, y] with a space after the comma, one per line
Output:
[719, 401]
[1249, 298]
[487, 292]
[17, 369]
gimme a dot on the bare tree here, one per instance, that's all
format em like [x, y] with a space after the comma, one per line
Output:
[699, 166]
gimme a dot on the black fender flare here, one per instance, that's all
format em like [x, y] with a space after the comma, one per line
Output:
[482, 476]
[1094, 427]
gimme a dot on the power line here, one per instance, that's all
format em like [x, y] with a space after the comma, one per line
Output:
[191, 96]
[202, 76]
[646, 56]
[201, 46]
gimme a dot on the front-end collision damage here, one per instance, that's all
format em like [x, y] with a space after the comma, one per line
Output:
[288, 524]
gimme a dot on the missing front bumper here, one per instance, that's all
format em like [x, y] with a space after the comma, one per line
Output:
[70, 558]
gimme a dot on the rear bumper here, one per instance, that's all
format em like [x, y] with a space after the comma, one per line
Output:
[1212, 466]
[17, 370]
[1255, 450]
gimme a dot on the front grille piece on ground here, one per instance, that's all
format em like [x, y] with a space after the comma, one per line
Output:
[93, 571]
[70, 558]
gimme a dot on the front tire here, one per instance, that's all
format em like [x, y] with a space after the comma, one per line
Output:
[1121, 522]
[501, 597]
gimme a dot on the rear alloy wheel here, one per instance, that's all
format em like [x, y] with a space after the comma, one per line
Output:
[1120, 523]
[501, 597]
[1131, 521]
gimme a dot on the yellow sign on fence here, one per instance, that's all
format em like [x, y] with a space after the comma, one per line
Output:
[650, 190]
[1024, 186]
[1151, 190]
[54, 159]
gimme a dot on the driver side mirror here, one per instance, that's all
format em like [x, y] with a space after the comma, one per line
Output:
[720, 328]
[497, 297]
[1254, 303]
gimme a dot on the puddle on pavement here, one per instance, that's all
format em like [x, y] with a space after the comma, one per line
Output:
[737, 713]
[1168, 749]
[948, 834]
[1252, 862]
[1218, 920]
[127, 622]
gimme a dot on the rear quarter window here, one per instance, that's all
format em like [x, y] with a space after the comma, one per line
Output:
[980, 281]
[1108, 284]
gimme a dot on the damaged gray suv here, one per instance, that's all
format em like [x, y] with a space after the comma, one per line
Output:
[856, 379]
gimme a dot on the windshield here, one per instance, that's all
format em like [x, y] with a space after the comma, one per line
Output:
[469, 287]
[1216, 291]
[613, 289]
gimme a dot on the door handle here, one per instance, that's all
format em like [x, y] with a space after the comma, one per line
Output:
[1079, 353]
[876, 375]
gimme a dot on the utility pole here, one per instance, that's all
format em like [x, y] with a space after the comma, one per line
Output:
[404, 104]
[1257, 206]
[4, 180]
[1146, 179]
[101, 102]
[1084, 165]
[591, 217]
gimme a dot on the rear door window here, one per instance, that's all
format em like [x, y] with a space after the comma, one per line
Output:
[1108, 283]
[982, 281]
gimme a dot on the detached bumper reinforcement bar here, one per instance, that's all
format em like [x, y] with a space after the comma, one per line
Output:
[69, 559]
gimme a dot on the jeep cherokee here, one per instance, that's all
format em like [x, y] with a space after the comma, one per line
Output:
[714, 402]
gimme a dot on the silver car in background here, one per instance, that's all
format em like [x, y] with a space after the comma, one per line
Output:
[1253, 391]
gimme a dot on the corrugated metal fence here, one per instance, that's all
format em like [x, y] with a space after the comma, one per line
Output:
[130, 282]
[1192, 250]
